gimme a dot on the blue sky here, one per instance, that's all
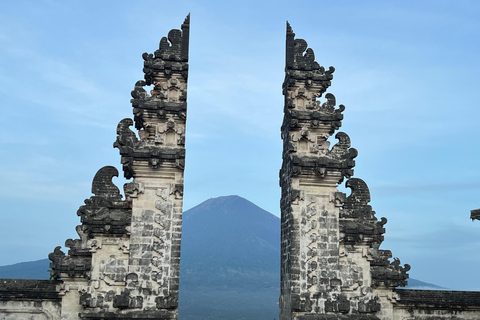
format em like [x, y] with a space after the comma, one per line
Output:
[408, 73]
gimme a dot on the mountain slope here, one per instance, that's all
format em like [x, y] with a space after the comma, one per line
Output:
[26, 270]
[230, 261]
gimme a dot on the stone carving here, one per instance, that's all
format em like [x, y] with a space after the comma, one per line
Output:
[160, 116]
[171, 56]
[358, 223]
[359, 226]
[132, 190]
[104, 216]
[389, 274]
[341, 304]
[329, 241]
[71, 266]
[338, 159]
[133, 150]
[307, 123]
[369, 306]
[301, 65]
[126, 300]
[105, 212]
[156, 162]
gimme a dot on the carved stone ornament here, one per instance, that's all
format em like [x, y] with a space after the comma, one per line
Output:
[388, 273]
[71, 266]
[358, 224]
[132, 149]
[105, 212]
[338, 159]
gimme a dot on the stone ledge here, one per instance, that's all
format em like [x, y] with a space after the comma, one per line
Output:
[138, 315]
[336, 317]
[22, 289]
[438, 299]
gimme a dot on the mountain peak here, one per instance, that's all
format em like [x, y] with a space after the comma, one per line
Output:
[224, 200]
[231, 206]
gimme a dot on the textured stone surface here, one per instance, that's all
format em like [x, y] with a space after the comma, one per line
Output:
[439, 298]
[331, 263]
[12, 289]
[29, 299]
[436, 304]
[126, 262]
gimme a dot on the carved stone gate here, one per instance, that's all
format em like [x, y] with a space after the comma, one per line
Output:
[125, 263]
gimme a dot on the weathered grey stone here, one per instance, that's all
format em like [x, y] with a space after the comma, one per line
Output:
[328, 239]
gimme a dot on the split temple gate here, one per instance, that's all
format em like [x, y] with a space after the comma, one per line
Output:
[125, 263]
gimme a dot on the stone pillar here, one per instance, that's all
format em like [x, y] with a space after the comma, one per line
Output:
[126, 263]
[327, 240]
[156, 163]
[309, 176]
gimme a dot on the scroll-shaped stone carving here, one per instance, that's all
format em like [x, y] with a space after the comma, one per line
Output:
[126, 138]
[356, 205]
[102, 185]
[139, 92]
[105, 212]
[358, 224]
[57, 257]
[78, 247]
[329, 105]
[126, 142]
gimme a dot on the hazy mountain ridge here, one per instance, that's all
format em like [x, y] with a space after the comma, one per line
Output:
[230, 262]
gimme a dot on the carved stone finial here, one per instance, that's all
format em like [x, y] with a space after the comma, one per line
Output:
[289, 28]
[300, 63]
[360, 195]
[102, 185]
[172, 54]
[342, 147]
[126, 138]
[105, 212]
[176, 47]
